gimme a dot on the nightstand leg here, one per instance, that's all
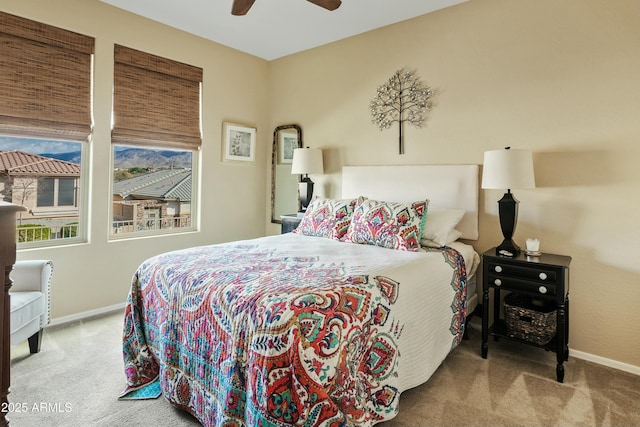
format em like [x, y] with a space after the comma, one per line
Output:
[485, 322]
[566, 329]
[560, 373]
[561, 341]
[496, 310]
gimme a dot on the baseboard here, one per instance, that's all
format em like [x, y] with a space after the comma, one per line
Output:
[632, 369]
[86, 314]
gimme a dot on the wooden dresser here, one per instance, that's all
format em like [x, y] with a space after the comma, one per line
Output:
[7, 259]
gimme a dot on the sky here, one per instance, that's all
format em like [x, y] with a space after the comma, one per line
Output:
[47, 146]
[37, 146]
[43, 146]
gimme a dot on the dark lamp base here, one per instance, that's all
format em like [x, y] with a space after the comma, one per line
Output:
[508, 212]
[305, 191]
[508, 248]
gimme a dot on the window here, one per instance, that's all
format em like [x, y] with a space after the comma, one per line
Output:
[56, 192]
[152, 190]
[66, 192]
[46, 76]
[156, 137]
[45, 193]
[45, 177]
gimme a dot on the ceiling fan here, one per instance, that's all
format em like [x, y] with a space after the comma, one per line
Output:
[241, 7]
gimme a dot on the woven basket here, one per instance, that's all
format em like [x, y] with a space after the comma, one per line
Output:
[532, 320]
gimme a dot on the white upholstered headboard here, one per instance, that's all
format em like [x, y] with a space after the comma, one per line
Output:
[446, 186]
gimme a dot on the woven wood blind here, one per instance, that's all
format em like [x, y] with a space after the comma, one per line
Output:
[45, 80]
[156, 101]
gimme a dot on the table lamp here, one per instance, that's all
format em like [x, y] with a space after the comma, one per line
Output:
[508, 169]
[306, 161]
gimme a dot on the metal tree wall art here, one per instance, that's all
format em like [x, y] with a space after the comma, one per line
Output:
[404, 98]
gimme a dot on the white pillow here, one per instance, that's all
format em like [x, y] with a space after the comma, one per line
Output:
[440, 227]
[452, 237]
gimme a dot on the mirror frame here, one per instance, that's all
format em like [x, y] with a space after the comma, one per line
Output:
[274, 160]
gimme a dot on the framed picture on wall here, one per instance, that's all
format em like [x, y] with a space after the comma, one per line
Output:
[288, 142]
[238, 143]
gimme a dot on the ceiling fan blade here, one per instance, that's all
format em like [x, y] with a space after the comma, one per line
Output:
[327, 4]
[241, 7]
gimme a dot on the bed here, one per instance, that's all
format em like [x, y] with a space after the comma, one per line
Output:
[323, 326]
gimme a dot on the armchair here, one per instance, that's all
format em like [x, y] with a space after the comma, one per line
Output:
[30, 308]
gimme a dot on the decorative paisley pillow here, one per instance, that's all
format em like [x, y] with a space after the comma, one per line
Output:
[388, 224]
[327, 217]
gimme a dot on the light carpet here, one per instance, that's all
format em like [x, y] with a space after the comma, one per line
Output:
[76, 378]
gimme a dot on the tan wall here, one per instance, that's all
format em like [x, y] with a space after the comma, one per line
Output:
[558, 77]
[24, 191]
[98, 274]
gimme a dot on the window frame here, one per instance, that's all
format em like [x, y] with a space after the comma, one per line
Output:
[55, 190]
[82, 201]
[156, 232]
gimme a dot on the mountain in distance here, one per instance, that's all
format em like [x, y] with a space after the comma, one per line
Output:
[72, 157]
[136, 157]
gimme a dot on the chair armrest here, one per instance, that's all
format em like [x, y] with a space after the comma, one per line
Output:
[32, 275]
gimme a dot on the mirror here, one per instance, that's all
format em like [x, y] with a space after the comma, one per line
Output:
[284, 186]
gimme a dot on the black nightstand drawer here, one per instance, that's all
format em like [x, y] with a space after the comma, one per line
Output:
[515, 284]
[538, 273]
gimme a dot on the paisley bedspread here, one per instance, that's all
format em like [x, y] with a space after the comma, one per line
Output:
[290, 329]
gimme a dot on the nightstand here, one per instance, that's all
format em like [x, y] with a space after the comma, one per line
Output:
[289, 222]
[544, 278]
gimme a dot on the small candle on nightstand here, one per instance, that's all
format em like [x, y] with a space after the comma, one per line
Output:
[533, 245]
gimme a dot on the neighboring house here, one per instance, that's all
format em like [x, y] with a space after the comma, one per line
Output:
[160, 199]
[48, 188]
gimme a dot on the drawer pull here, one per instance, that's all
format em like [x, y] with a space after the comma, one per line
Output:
[542, 289]
[542, 276]
[498, 269]
[497, 282]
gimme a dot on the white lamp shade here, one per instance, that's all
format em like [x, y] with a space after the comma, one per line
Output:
[507, 169]
[307, 161]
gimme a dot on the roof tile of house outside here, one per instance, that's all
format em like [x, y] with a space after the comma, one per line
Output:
[166, 184]
[16, 163]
